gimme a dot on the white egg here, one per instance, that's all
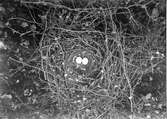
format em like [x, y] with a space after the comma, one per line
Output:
[85, 61]
[78, 60]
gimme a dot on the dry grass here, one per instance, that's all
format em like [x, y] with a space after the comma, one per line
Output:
[119, 36]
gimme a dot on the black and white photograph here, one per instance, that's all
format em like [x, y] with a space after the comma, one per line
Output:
[83, 59]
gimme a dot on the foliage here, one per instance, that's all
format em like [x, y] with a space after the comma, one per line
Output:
[126, 37]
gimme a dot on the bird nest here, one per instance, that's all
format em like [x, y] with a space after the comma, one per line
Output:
[116, 43]
[109, 79]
